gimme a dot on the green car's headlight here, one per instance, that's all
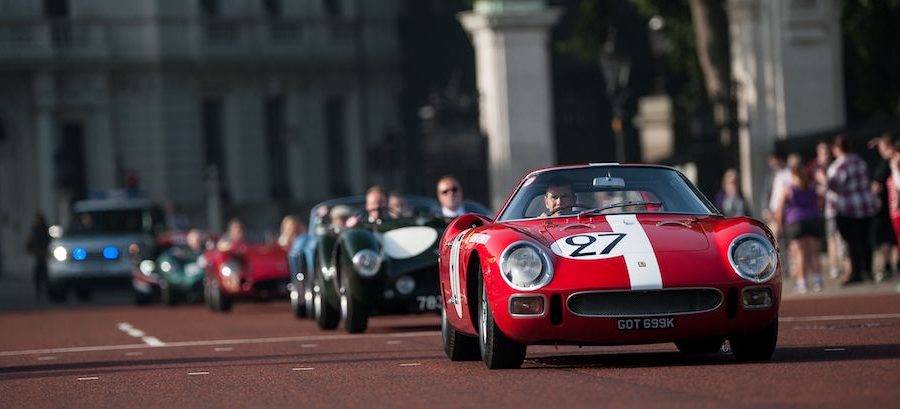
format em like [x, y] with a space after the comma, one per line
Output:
[753, 257]
[525, 267]
[366, 262]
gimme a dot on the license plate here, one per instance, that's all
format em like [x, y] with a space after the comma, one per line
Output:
[428, 303]
[629, 324]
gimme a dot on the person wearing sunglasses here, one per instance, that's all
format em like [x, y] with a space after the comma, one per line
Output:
[450, 196]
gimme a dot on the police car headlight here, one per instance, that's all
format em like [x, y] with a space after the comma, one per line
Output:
[753, 257]
[60, 253]
[366, 262]
[147, 267]
[525, 267]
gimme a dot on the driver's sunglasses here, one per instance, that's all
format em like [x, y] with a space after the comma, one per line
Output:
[453, 189]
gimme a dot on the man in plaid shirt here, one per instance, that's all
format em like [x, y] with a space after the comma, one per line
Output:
[847, 180]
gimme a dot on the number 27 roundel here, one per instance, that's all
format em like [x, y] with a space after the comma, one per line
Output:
[591, 246]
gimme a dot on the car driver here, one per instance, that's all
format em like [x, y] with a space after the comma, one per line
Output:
[558, 196]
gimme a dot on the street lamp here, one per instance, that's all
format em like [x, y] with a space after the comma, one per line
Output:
[616, 71]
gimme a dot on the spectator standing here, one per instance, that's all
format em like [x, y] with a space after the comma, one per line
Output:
[803, 227]
[848, 179]
[893, 190]
[38, 242]
[291, 228]
[837, 249]
[883, 237]
[730, 201]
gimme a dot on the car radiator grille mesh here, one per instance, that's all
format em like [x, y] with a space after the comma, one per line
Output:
[644, 303]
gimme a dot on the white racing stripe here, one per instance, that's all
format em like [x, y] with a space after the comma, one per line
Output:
[89, 378]
[308, 338]
[640, 258]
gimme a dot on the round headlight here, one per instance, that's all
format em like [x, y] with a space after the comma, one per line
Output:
[366, 262]
[165, 266]
[229, 269]
[147, 267]
[525, 267]
[405, 285]
[60, 253]
[753, 257]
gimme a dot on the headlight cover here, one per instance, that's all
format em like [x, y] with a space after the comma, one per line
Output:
[753, 257]
[366, 262]
[525, 267]
[230, 269]
[60, 253]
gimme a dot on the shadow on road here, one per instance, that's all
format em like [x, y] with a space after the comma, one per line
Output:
[660, 359]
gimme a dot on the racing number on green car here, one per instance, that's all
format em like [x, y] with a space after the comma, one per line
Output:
[583, 241]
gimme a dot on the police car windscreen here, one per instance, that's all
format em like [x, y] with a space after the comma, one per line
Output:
[111, 221]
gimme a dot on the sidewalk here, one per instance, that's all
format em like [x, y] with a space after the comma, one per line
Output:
[833, 288]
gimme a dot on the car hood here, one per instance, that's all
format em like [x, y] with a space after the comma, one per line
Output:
[99, 241]
[665, 233]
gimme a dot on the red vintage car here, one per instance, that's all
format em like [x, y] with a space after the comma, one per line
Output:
[244, 271]
[607, 254]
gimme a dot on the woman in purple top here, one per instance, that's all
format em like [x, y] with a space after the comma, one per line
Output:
[803, 226]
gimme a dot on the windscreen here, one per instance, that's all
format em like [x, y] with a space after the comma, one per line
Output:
[112, 222]
[605, 190]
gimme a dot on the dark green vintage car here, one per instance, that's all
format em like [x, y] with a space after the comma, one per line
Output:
[384, 267]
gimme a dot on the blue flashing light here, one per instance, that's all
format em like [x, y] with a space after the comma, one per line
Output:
[79, 254]
[110, 253]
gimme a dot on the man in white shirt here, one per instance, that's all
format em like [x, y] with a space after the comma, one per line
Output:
[450, 196]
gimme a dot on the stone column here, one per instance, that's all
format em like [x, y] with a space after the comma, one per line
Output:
[45, 143]
[786, 61]
[516, 101]
[101, 157]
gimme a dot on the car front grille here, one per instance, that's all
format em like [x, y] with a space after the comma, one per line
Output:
[643, 303]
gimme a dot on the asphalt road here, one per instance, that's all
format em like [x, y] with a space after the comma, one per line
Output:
[832, 352]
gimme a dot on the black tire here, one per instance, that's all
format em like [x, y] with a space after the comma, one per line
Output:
[757, 346]
[497, 351]
[457, 346]
[207, 296]
[696, 346]
[56, 293]
[167, 293]
[327, 317]
[220, 301]
[354, 313]
[83, 294]
[298, 307]
[141, 298]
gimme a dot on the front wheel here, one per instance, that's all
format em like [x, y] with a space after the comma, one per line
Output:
[166, 293]
[497, 351]
[218, 301]
[757, 346]
[457, 346]
[327, 317]
[298, 307]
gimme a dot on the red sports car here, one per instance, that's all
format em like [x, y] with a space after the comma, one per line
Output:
[244, 270]
[607, 254]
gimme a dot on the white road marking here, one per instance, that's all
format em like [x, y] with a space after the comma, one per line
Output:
[46, 358]
[246, 341]
[394, 342]
[411, 364]
[225, 349]
[198, 373]
[303, 369]
[136, 333]
[309, 345]
[835, 349]
[840, 317]
[134, 353]
[89, 378]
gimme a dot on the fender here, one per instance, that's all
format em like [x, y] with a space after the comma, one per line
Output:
[367, 290]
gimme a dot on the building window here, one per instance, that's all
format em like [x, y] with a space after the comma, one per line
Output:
[213, 147]
[272, 8]
[335, 134]
[69, 161]
[332, 7]
[276, 145]
[210, 8]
